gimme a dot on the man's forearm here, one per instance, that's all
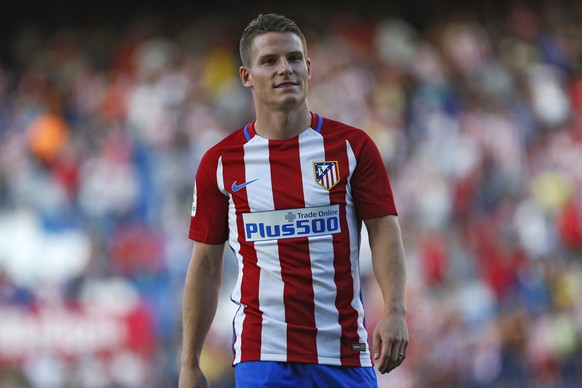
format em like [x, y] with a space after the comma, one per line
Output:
[201, 291]
[388, 262]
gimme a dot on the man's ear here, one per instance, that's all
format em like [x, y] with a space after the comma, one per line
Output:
[245, 76]
[308, 61]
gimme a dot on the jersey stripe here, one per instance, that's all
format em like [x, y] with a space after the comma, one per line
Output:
[321, 253]
[294, 254]
[274, 329]
[348, 316]
[355, 240]
[249, 316]
[235, 245]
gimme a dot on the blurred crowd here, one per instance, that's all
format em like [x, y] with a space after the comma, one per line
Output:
[478, 118]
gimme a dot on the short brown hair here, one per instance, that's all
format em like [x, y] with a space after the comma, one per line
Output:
[262, 24]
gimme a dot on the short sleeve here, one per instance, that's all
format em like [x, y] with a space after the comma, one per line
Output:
[209, 216]
[370, 183]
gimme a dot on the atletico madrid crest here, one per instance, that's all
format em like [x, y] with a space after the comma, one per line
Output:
[326, 174]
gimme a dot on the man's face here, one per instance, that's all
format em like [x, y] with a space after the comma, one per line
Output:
[278, 72]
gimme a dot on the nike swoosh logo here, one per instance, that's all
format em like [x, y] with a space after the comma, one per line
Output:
[236, 187]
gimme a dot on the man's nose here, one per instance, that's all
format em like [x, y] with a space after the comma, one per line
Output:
[285, 66]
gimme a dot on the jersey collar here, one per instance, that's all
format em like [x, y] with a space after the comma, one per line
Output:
[316, 123]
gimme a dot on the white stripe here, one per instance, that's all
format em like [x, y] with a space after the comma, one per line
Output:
[311, 148]
[219, 177]
[354, 229]
[235, 246]
[260, 197]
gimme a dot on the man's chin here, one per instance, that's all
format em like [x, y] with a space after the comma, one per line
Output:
[292, 100]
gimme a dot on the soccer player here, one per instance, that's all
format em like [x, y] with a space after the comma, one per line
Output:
[289, 192]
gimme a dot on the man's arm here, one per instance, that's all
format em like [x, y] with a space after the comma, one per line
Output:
[201, 291]
[391, 333]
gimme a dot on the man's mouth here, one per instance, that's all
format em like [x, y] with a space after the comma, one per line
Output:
[286, 84]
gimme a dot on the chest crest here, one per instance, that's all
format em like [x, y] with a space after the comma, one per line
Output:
[326, 174]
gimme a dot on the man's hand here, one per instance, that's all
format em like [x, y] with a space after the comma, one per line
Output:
[192, 377]
[390, 341]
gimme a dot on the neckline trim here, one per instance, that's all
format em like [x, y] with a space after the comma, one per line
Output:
[316, 124]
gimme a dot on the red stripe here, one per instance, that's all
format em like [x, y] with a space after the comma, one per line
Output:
[294, 255]
[252, 326]
[348, 316]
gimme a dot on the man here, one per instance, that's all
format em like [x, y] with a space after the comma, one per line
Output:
[289, 192]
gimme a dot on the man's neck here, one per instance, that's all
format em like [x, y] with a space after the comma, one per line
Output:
[282, 125]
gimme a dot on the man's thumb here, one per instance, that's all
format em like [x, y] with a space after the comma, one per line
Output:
[376, 346]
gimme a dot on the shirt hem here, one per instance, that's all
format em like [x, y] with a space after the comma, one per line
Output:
[306, 359]
[201, 237]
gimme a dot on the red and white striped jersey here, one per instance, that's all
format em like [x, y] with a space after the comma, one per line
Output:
[291, 211]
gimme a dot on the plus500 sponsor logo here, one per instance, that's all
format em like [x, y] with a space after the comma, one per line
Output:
[291, 223]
